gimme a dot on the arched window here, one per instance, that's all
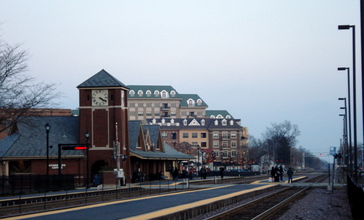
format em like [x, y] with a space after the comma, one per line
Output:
[203, 122]
[216, 122]
[164, 94]
[191, 102]
[212, 116]
[185, 122]
[173, 93]
[131, 92]
[219, 116]
[154, 121]
[140, 93]
[228, 117]
[224, 122]
[231, 122]
[149, 93]
[156, 93]
[199, 102]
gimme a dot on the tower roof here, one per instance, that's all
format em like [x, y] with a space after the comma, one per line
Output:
[101, 79]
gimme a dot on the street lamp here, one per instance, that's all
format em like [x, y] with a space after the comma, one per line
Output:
[348, 110]
[87, 136]
[48, 128]
[346, 27]
[348, 143]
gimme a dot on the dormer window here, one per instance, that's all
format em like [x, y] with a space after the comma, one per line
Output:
[231, 122]
[164, 94]
[219, 116]
[131, 93]
[163, 121]
[212, 116]
[216, 122]
[149, 93]
[191, 102]
[154, 121]
[140, 93]
[173, 93]
[224, 122]
[228, 117]
[172, 121]
[199, 102]
[185, 122]
[156, 93]
[203, 122]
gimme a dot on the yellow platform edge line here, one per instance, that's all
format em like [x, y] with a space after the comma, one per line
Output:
[167, 211]
[103, 204]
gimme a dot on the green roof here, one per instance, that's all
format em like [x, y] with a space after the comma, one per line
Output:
[101, 79]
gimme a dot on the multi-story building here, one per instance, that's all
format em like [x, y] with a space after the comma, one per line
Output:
[184, 119]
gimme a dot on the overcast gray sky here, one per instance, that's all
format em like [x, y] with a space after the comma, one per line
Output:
[263, 61]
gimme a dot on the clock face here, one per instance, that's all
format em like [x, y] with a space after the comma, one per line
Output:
[100, 97]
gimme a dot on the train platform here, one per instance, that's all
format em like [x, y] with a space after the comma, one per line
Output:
[153, 206]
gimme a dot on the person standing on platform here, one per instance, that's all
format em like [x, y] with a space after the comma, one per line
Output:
[203, 172]
[290, 175]
[222, 169]
[281, 173]
[273, 173]
[175, 174]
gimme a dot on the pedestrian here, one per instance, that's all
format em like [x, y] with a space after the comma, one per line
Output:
[290, 175]
[281, 173]
[277, 174]
[222, 169]
[273, 173]
[175, 174]
[203, 172]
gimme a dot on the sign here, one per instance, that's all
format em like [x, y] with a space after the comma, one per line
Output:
[55, 166]
[332, 150]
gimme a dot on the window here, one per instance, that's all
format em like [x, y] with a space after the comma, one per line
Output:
[132, 113]
[149, 93]
[122, 99]
[215, 144]
[203, 144]
[164, 135]
[132, 105]
[203, 135]
[185, 122]
[203, 122]
[216, 122]
[149, 104]
[173, 114]
[156, 93]
[233, 135]
[183, 113]
[215, 135]
[233, 144]
[219, 116]
[173, 105]
[157, 114]
[164, 94]
[185, 135]
[224, 144]
[140, 113]
[194, 143]
[149, 114]
[190, 102]
[140, 93]
[217, 153]
[194, 135]
[173, 93]
[234, 154]
[225, 135]
[199, 102]
[224, 122]
[157, 105]
[131, 93]
[174, 136]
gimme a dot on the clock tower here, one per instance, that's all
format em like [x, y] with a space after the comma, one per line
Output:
[103, 113]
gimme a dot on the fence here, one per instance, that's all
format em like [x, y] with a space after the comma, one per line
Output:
[29, 184]
[356, 198]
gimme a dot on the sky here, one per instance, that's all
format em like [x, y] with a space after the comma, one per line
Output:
[263, 61]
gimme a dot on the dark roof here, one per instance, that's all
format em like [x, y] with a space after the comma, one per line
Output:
[154, 131]
[215, 113]
[194, 97]
[30, 140]
[101, 79]
[195, 123]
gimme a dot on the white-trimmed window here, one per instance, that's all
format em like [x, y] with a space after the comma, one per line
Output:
[215, 135]
[156, 93]
[140, 93]
[164, 94]
[140, 113]
[215, 144]
[233, 135]
[185, 135]
[149, 93]
[233, 144]
[199, 102]
[173, 93]
[194, 135]
[131, 93]
[164, 135]
[224, 122]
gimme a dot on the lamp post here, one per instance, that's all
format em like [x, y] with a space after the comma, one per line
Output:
[348, 110]
[346, 27]
[198, 158]
[347, 137]
[87, 136]
[48, 128]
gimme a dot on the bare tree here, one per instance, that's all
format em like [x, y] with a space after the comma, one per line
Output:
[19, 93]
[280, 139]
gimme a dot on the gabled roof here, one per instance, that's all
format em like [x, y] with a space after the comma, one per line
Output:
[101, 79]
[30, 139]
[195, 123]
[165, 153]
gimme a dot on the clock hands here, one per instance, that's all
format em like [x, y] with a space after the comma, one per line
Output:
[102, 99]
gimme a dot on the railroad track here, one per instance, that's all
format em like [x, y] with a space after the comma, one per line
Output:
[268, 206]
